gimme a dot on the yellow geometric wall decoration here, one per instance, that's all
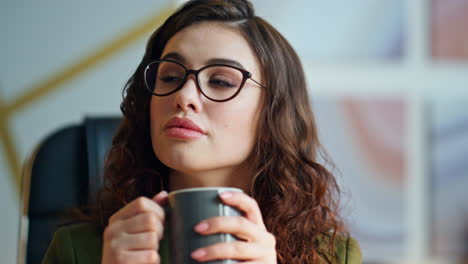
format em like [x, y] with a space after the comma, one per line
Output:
[57, 80]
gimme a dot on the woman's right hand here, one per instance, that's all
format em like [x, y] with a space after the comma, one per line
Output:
[134, 232]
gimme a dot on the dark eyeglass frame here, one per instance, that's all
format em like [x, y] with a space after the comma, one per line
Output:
[245, 75]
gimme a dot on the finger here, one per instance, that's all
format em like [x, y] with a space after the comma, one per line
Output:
[140, 256]
[246, 204]
[138, 206]
[236, 225]
[161, 197]
[233, 250]
[140, 241]
[146, 222]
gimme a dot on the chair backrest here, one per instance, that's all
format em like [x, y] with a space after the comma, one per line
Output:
[63, 173]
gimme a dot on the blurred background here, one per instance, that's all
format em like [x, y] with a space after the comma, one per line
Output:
[388, 81]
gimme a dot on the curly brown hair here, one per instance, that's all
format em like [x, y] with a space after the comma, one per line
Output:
[298, 197]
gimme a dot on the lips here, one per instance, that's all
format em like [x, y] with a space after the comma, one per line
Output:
[183, 128]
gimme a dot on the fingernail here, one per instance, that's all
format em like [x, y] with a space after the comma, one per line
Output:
[226, 195]
[198, 253]
[201, 227]
[160, 196]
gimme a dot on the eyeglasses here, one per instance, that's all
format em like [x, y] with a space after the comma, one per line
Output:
[217, 82]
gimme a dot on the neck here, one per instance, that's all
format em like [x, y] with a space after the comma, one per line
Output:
[240, 178]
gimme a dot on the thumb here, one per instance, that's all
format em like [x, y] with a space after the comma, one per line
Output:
[160, 198]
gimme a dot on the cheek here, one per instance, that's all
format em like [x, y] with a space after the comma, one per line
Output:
[236, 126]
[158, 113]
[240, 125]
[154, 108]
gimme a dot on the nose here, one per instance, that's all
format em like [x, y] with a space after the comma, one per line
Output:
[189, 96]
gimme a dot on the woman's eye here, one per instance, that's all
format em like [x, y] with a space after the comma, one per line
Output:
[169, 79]
[222, 83]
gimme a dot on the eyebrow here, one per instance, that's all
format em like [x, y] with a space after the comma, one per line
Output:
[174, 56]
[177, 57]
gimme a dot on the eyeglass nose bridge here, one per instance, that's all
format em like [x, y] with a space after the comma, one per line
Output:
[187, 74]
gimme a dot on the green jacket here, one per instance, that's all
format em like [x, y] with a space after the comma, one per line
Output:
[82, 243]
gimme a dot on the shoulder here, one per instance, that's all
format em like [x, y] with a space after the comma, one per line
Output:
[77, 243]
[346, 249]
[81, 232]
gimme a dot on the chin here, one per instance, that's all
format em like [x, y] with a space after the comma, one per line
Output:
[184, 164]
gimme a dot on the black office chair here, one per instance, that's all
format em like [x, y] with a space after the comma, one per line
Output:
[63, 173]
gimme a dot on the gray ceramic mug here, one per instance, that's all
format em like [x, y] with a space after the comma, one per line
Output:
[185, 209]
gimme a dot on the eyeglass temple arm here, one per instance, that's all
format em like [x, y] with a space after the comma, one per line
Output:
[257, 82]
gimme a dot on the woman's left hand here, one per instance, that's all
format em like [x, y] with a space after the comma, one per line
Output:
[257, 245]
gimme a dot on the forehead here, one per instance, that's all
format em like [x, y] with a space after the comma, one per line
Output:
[207, 40]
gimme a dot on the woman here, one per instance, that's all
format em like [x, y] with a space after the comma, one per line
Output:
[219, 99]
